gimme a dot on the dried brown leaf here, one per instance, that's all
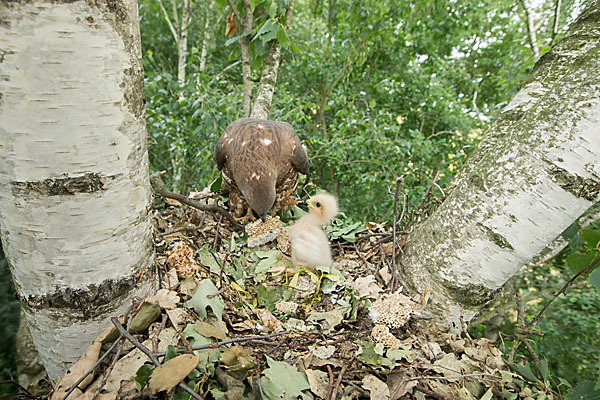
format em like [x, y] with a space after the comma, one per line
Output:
[169, 374]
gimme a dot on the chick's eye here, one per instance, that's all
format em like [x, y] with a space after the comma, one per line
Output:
[318, 204]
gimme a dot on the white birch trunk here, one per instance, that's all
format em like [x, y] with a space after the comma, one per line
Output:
[268, 75]
[74, 188]
[536, 171]
[245, 54]
[182, 43]
[268, 79]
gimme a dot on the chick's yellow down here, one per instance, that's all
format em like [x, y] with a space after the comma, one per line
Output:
[310, 246]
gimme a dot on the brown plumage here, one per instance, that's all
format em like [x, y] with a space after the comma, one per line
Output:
[260, 161]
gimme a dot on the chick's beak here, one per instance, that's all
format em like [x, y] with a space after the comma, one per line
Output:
[263, 217]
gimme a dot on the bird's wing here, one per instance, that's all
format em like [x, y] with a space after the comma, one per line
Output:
[299, 158]
[220, 153]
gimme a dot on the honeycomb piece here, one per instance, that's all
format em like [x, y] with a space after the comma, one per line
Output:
[393, 310]
[263, 232]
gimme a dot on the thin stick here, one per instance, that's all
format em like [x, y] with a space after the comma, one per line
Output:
[180, 229]
[434, 394]
[394, 281]
[161, 189]
[429, 189]
[217, 234]
[17, 384]
[111, 348]
[564, 288]
[224, 342]
[419, 378]
[262, 396]
[330, 382]
[150, 355]
[339, 380]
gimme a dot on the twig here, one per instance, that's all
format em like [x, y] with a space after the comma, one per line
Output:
[224, 342]
[330, 382]
[262, 396]
[394, 281]
[180, 229]
[26, 392]
[339, 379]
[150, 355]
[214, 246]
[362, 257]
[161, 189]
[427, 341]
[432, 377]
[434, 394]
[429, 189]
[222, 269]
[563, 290]
[74, 386]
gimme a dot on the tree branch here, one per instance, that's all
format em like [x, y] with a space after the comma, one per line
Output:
[161, 189]
[563, 290]
[171, 27]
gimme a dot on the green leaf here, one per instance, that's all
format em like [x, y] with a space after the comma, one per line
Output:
[204, 298]
[267, 31]
[216, 185]
[262, 261]
[597, 385]
[296, 49]
[578, 261]
[370, 353]
[170, 353]
[142, 376]
[524, 371]
[399, 354]
[543, 368]
[232, 39]
[584, 391]
[208, 357]
[282, 37]
[272, 9]
[208, 258]
[282, 381]
[147, 315]
[506, 395]
[591, 237]
[269, 296]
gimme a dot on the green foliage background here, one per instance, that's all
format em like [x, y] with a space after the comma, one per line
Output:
[375, 90]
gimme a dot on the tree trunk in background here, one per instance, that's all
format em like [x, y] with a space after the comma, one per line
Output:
[534, 173]
[531, 31]
[29, 367]
[268, 74]
[246, 22]
[74, 190]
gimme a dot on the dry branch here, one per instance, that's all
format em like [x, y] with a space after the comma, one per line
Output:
[161, 189]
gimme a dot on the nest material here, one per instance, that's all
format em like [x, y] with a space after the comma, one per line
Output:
[260, 232]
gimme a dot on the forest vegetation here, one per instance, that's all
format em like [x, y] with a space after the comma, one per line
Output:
[375, 90]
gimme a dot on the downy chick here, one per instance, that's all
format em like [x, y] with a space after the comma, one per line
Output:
[310, 246]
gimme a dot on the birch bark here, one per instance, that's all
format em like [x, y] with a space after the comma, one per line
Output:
[74, 188]
[536, 171]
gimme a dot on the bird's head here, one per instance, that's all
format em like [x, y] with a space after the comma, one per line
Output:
[323, 207]
[260, 196]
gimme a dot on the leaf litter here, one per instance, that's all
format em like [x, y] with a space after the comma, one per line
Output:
[226, 328]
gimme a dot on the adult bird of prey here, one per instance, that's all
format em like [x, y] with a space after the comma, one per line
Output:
[260, 161]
